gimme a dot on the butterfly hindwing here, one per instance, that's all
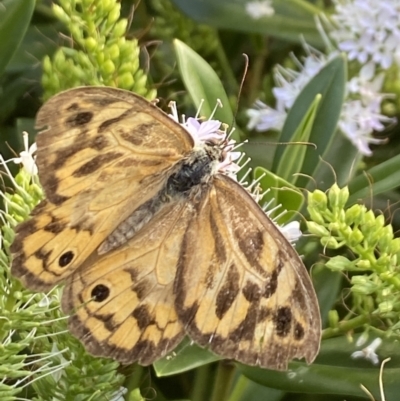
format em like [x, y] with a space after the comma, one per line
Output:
[122, 302]
[104, 153]
[241, 289]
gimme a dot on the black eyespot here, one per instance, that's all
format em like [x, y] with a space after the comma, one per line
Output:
[100, 293]
[65, 259]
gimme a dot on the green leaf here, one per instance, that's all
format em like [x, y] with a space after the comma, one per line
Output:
[281, 193]
[327, 294]
[293, 155]
[292, 20]
[378, 179]
[15, 16]
[185, 357]
[40, 40]
[335, 372]
[247, 390]
[330, 84]
[203, 84]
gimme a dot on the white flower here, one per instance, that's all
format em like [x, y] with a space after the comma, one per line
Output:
[210, 131]
[206, 131]
[26, 157]
[289, 84]
[369, 352]
[368, 30]
[359, 121]
[258, 9]
[263, 117]
[291, 231]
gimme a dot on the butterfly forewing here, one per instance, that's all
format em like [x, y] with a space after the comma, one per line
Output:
[241, 289]
[104, 153]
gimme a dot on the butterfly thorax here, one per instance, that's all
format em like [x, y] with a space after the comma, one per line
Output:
[188, 178]
[195, 170]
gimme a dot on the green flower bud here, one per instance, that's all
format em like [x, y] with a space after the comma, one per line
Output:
[356, 237]
[113, 16]
[339, 263]
[385, 307]
[315, 215]
[394, 246]
[369, 219]
[363, 264]
[343, 197]
[120, 28]
[334, 196]
[108, 67]
[61, 15]
[125, 80]
[352, 215]
[317, 229]
[363, 285]
[113, 52]
[330, 242]
[333, 318]
[317, 200]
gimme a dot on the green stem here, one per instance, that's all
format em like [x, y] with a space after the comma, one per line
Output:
[223, 381]
[345, 326]
[134, 377]
[200, 387]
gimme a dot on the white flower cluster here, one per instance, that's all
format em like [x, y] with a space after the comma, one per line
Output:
[369, 31]
[289, 85]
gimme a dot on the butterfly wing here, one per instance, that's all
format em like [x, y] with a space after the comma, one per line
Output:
[122, 302]
[104, 153]
[241, 289]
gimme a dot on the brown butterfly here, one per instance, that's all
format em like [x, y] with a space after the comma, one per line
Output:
[154, 242]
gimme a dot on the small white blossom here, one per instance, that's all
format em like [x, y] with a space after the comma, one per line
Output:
[359, 121]
[368, 30]
[369, 352]
[289, 84]
[27, 156]
[205, 131]
[264, 118]
[259, 9]
[291, 231]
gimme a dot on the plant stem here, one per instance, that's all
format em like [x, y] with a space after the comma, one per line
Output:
[223, 381]
[345, 326]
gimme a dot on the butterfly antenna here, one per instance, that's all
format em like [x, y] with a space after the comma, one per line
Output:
[246, 68]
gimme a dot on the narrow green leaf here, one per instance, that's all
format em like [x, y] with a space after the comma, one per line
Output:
[335, 372]
[330, 84]
[202, 83]
[15, 16]
[293, 156]
[292, 19]
[378, 179]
